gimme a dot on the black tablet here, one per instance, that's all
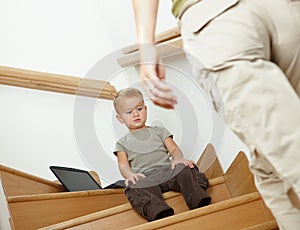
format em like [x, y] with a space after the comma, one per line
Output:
[75, 179]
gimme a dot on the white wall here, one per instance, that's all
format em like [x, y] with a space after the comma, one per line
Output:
[53, 36]
[118, 17]
[38, 128]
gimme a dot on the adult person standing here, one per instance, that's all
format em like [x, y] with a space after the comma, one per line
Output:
[251, 48]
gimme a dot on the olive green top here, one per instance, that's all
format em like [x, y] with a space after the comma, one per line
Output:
[145, 148]
[177, 4]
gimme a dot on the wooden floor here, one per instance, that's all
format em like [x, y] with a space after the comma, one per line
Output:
[36, 203]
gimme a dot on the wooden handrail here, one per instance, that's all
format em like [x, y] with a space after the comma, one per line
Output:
[199, 212]
[56, 83]
[169, 43]
[165, 50]
[159, 38]
[29, 176]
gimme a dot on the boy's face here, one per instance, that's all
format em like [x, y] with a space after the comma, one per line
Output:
[133, 113]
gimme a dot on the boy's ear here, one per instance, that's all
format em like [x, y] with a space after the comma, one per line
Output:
[119, 119]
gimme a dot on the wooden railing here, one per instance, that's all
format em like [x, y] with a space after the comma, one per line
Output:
[168, 45]
[56, 83]
[165, 36]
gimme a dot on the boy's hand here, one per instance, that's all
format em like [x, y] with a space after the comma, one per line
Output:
[133, 178]
[183, 161]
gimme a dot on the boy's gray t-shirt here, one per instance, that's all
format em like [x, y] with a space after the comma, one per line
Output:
[145, 148]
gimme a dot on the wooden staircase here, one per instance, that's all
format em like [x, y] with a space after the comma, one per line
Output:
[42, 204]
[36, 202]
[123, 216]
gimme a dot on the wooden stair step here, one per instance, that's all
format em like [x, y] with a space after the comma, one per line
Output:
[238, 177]
[235, 213]
[36, 202]
[47, 207]
[124, 216]
[269, 225]
[209, 163]
[16, 183]
[35, 211]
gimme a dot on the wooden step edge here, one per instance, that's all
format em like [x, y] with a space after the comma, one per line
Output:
[191, 214]
[29, 176]
[216, 181]
[90, 217]
[159, 38]
[269, 225]
[101, 214]
[63, 195]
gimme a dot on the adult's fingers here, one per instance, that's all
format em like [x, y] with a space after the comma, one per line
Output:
[161, 73]
[159, 92]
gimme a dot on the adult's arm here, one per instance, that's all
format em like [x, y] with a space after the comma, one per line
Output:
[152, 71]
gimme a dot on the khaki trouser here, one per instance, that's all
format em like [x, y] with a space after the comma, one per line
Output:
[252, 50]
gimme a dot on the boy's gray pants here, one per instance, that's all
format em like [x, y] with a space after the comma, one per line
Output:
[146, 195]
